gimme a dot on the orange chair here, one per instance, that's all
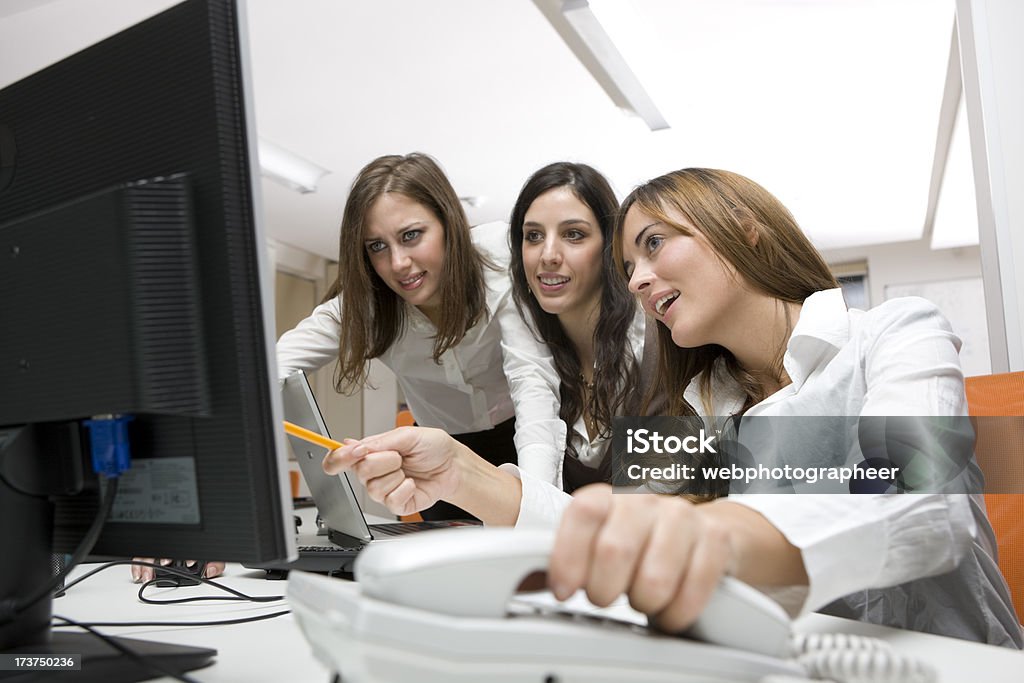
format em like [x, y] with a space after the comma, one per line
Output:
[999, 449]
[404, 418]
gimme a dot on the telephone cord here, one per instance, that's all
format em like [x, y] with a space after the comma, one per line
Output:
[857, 659]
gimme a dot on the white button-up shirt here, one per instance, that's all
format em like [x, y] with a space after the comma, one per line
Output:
[498, 370]
[919, 561]
[589, 451]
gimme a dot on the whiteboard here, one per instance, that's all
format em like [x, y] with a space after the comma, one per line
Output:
[963, 303]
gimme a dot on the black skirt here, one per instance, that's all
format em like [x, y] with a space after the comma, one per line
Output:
[496, 446]
[576, 475]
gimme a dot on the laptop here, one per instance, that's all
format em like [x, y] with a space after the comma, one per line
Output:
[345, 531]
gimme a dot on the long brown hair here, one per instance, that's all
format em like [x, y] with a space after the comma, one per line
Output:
[372, 315]
[614, 361]
[748, 228]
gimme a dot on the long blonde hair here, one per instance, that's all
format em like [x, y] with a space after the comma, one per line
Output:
[372, 315]
[749, 229]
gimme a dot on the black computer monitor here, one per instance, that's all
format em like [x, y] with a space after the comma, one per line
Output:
[132, 283]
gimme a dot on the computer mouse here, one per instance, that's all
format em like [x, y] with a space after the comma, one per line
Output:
[165, 579]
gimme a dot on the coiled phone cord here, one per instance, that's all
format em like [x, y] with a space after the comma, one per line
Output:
[857, 659]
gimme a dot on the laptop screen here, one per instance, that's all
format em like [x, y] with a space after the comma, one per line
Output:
[332, 494]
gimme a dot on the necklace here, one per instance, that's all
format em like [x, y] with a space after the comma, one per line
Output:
[588, 419]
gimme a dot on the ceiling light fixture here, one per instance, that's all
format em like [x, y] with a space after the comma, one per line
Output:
[606, 61]
[289, 169]
[472, 201]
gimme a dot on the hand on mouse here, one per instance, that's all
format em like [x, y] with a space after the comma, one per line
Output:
[142, 574]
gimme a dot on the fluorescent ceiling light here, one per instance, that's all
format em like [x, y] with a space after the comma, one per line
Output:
[473, 201]
[588, 27]
[956, 212]
[289, 169]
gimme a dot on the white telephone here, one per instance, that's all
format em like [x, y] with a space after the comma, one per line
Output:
[440, 606]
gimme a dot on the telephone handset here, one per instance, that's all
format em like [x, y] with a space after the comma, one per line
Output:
[481, 573]
[439, 606]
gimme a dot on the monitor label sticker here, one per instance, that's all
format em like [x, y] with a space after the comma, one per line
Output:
[158, 490]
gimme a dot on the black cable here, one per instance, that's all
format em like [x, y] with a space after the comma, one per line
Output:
[237, 595]
[195, 598]
[84, 548]
[211, 582]
[225, 622]
[148, 663]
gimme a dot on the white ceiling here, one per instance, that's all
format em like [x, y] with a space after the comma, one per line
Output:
[833, 105]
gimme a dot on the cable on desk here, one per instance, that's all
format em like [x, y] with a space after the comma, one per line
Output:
[10, 608]
[239, 595]
[149, 664]
[224, 622]
[236, 595]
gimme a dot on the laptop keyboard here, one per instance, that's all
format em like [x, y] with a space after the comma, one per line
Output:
[400, 528]
[330, 549]
[336, 558]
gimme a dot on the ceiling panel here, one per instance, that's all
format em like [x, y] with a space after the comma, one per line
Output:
[832, 105]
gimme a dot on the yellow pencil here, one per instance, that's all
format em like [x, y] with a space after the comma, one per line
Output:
[312, 437]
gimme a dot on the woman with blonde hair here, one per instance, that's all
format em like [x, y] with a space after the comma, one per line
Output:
[754, 327]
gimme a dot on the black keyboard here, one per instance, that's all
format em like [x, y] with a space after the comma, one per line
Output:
[340, 557]
[400, 528]
[316, 558]
[326, 549]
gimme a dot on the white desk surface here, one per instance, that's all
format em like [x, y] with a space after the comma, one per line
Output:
[275, 650]
[270, 650]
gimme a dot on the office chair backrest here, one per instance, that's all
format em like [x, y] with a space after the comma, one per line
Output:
[999, 449]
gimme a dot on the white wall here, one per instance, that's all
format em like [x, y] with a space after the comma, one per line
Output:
[908, 262]
[915, 263]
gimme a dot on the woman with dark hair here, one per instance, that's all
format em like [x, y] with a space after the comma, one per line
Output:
[753, 326]
[560, 234]
[429, 297]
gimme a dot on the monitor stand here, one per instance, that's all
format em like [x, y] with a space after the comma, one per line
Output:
[26, 530]
[102, 663]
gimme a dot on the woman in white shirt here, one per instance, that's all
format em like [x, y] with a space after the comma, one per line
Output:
[427, 296]
[754, 327]
[560, 235]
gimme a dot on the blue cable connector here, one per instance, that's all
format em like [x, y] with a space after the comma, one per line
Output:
[111, 453]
